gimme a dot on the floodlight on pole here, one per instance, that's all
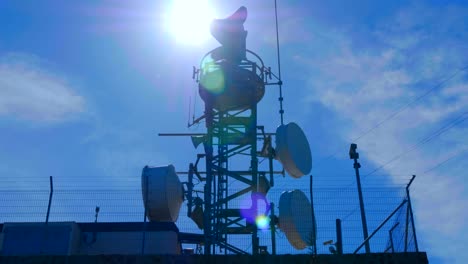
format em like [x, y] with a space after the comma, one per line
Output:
[354, 155]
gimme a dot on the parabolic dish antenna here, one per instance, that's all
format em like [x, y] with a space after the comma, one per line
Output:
[162, 193]
[296, 220]
[293, 150]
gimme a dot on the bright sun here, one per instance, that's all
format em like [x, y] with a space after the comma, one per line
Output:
[189, 21]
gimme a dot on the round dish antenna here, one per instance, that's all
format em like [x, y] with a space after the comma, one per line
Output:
[293, 150]
[162, 193]
[296, 220]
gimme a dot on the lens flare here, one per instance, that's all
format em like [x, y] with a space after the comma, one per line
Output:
[259, 208]
[213, 81]
[262, 222]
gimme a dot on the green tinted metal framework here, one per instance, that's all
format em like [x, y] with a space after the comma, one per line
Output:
[232, 134]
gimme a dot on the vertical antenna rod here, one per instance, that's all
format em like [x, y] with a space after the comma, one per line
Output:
[189, 109]
[280, 82]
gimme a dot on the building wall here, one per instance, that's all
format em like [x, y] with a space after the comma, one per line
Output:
[373, 258]
[40, 238]
[129, 243]
[1, 242]
[70, 238]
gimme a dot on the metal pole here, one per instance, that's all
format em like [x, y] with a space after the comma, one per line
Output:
[390, 233]
[273, 229]
[50, 198]
[355, 156]
[314, 238]
[380, 226]
[143, 241]
[407, 216]
[200, 134]
[252, 130]
[190, 190]
[391, 242]
[280, 81]
[207, 226]
[411, 213]
[270, 164]
[406, 228]
[339, 238]
[272, 205]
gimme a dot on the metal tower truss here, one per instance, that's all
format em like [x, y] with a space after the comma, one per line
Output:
[230, 135]
[230, 143]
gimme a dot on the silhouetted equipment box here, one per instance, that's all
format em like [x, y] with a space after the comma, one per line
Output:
[25, 239]
[128, 238]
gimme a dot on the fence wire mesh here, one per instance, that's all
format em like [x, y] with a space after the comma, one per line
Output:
[78, 204]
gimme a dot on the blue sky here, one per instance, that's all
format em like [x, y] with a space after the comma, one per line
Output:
[85, 87]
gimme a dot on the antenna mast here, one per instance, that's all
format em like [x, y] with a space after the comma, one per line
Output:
[280, 81]
[231, 82]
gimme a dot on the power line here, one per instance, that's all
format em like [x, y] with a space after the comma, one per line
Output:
[343, 219]
[391, 116]
[440, 131]
[446, 160]
[423, 141]
[403, 108]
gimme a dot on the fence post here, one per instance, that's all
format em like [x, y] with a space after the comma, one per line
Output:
[45, 233]
[406, 228]
[273, 229]
[410, 214]
[51, 193]
[339, 238]
[314, 224]
[143, 242]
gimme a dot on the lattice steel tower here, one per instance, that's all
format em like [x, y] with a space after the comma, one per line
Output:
[231, 82]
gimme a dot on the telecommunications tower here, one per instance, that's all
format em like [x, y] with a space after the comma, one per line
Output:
[231, 81]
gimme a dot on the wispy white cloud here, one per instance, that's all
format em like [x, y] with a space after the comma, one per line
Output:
[414, 51]
[31, 92]
[121, 153]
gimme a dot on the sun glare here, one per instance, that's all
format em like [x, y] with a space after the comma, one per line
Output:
[189, 21]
